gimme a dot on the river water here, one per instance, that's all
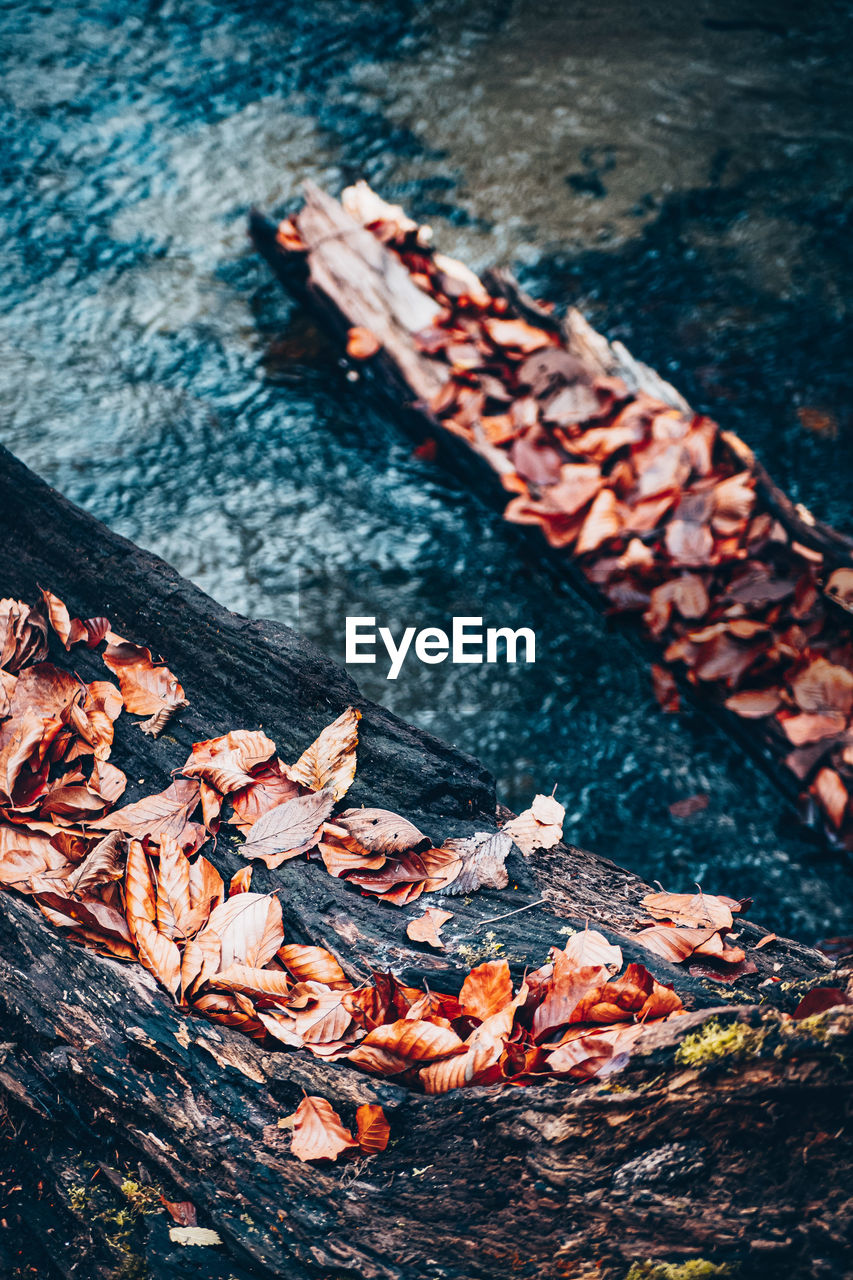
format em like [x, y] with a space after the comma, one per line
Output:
[681, 172]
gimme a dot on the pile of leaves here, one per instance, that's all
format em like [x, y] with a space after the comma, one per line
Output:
[658, 506]
[131, 883]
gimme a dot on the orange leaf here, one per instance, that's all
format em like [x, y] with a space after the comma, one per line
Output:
[381, 831]
[240, 882]
[148, 688]
[313, 964]
[486, 990]
[318, 1133]
[373, 1128]
[413, 1041]
[698, 910]
[226, 763]
[426, 927]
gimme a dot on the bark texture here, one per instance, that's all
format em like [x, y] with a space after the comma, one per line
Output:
[724, 1145]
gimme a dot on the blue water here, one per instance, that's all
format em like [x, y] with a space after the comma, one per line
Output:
[685, 179]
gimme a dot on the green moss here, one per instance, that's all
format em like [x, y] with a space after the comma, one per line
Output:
[714, 1042]
[489, 949]
[695, 1269]
[117, 1221]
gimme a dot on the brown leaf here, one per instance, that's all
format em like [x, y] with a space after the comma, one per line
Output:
[289, 829]
[823, 688]
[166, 813]
[72, 630]
[409, 1041]
[23, 635]
[93, 719]
[381, 831]
[269, 787]
[157, 953]
[665, 689]
[249, 929]
[831, 794]
[753, 704]
[806, 727]
[483, 856]
[539, 827]
[174, 909]
[313, 964]
[672, 943]
[241, 881]
[698, 910]
[516, 334]
[591, 949]
[148, 688]
[329, 763]
[106, 781]
[426, 927]
[318, 1133]
[226, 763]
[373, 1128]
[181, 1211]
[604, 521]
[486, 990]
[103, 863]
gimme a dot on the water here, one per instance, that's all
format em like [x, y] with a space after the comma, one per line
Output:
[683, 175]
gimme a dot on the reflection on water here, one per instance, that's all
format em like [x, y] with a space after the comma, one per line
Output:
[683, 175]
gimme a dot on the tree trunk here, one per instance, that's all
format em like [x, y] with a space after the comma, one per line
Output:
[348, 278]
[724, 1145]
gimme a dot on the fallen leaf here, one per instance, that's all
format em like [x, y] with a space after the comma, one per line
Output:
[818, 1000]
[373, 1128]
[483, 856]
[591, 949]
[539, 827]
[318, 1133]
[71, 630]
[23, 635]
[486, 990]
[148, 688]
[226, 763]
[249, 929]
[698, 910]
[426, 928]
[289, 829]
[197, 1236]
[329, 763]
[381, 831]
[166, 813]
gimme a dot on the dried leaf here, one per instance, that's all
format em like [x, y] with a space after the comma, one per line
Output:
[148, 688]
[373, 1128]
[381, 831]
[698, 910]
[71, 630]
[318, 1133]
[269, 787]
[226, 763]
[104, 863]
[329, 763]
[591, 949]
[486, 990]
[241, 881]
[289, 829]
[539, 827]
[165, 814]
[426, 928]
[313, 964]
[23, 635]
[249, 929]
[483, 856]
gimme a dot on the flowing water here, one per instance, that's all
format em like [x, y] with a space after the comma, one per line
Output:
[680, 171]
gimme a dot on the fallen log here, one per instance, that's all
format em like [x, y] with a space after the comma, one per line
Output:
[720, 1138]
[651, 511]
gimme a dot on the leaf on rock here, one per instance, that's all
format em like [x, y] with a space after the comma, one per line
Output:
[269, 787]
[104, 863]
[249, 929]
[486, 990]
[329, 763]
[71, 630]
[483, 856]
[539, 827]
[591, 949]
[381, 831]
[373, 1129]
[165, 814]
[426, 928]
[148, 688]
[313, 964]
[698, 910]
[318, 1133]
[23, 635]
[226, 763]
[289, 829]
